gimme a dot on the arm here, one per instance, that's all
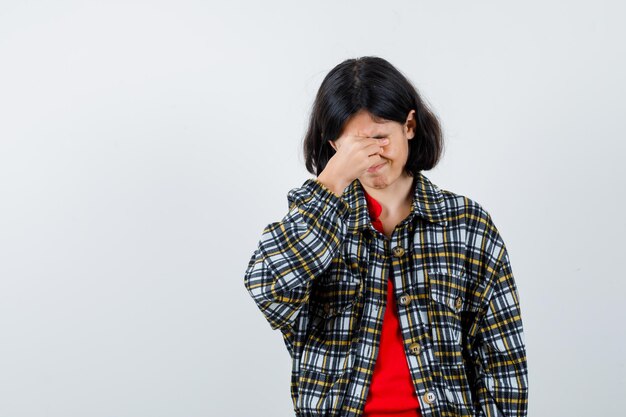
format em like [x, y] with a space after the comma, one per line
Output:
[293, 252]
[499, 348]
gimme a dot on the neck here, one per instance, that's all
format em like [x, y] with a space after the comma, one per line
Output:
[394, 197]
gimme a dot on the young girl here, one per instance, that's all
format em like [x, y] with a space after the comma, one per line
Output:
[394, 297]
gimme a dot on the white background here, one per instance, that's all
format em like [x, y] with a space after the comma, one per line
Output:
[145, 145]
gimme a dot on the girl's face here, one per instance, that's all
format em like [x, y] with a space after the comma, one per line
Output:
[395, 153]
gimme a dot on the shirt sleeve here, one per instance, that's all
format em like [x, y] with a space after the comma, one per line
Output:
[499, 348]
[294, 251]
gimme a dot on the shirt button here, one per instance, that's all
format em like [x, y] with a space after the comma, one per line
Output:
[415, 348]
[459, 303]
[429, 397]
[398, 251]
[405, 299]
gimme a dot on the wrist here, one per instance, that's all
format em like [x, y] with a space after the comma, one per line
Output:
[337, 187]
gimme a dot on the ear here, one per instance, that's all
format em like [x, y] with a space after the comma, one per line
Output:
[410, 125]
[332, 143]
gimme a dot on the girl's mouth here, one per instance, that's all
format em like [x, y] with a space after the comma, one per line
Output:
[375, 167]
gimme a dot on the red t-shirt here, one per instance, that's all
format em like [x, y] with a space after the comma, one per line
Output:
[391, 392]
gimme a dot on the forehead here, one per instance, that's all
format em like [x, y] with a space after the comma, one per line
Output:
[362, 123]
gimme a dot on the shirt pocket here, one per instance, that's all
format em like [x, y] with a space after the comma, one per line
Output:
[336, 291]
[446, 304]
[335, 307]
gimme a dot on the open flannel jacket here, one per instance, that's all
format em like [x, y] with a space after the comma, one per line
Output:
[320, 276]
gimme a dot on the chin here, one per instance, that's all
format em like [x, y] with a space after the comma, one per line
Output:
[379, 181]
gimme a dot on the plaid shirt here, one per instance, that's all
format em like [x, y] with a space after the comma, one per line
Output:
[320, 276]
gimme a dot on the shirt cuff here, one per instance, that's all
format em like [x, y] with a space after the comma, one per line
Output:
[326, 197]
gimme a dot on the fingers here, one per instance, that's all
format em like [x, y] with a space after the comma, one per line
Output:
[375, 149]
[373, 145]
[378, 143]
[374, 141]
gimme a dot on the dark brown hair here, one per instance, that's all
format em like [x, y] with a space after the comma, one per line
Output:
[373, 84]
